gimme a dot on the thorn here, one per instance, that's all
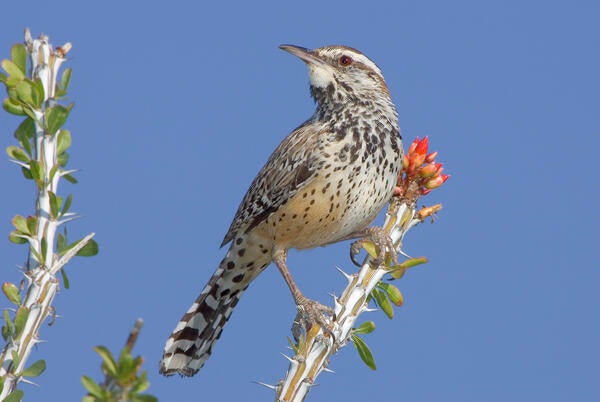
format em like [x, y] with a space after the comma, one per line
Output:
[26, 381]
[369, 310]
[28, 38]
[336, 303]
[348, 277]
[70, 216]
[273, 387]
[403, 254]
[309, 382]
[23, 164]
[291, 360]
[66, 172]
[328, 370]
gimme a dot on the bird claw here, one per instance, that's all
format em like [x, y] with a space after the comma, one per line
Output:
[382, 241]
[311, 313]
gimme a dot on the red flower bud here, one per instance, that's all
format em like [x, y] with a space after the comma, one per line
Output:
[435, 182]
[422, 146]
[416, 160]
[412, 147]
[404, 162]
[431, 157]
[428, 170]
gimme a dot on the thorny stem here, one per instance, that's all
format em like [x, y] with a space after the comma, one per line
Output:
[316, 347]
[42, 283]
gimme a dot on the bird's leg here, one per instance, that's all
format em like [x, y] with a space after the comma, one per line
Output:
[310, 312]
[382, 241]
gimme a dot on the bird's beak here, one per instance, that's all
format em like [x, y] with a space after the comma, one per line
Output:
[304, 54]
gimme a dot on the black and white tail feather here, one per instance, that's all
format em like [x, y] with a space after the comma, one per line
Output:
[192, 340]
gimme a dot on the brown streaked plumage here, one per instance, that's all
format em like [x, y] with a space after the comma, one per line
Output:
[324, 183]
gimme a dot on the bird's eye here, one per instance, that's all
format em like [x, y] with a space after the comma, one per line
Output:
[345, 60]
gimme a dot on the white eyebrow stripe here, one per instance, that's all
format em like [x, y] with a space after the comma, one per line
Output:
[361, 58]
[336, 52]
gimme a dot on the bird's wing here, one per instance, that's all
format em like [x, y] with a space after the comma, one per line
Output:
[291, 166]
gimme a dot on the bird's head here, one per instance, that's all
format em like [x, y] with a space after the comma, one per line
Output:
[341, 74]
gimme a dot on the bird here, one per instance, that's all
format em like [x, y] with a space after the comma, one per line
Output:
[326, 182]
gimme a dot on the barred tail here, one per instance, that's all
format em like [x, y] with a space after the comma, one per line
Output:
[192, 341]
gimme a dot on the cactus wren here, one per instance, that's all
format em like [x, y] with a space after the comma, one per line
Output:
[325, 182]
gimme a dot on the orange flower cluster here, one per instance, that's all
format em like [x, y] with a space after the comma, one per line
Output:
[420, 173]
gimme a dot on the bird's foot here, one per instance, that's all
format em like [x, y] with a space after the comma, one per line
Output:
[381, 240]
[310, 313]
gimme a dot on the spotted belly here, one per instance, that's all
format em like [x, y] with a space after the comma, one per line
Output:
[326, 211]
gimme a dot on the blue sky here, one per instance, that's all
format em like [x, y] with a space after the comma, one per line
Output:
[179, 104]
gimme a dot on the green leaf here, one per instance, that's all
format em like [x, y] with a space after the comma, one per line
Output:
[393, 293]
[292, 345]
[89, 250]
[364, 352]
[15, 358]
[53, 171]
[35, 369]
[16, 237]
[370, 248]
[398, 271]
[55, 204]
[25, 92]
[13, 107]
[141, 383]
[17, 153]
[63, 159]
[37, 171]
[63, 141]
[67, 204]
[26, 173]
[66, 79]
[37, 93]
[108, 360]
[15, 396]
[91, 386]
[44, 248]
[64, 278]
[24, 133]
[54, 118]
[32, 224]
[383, 303]
[144, 398]
[20, 320]
[36, 255]
[20, 223]
[6, 334]
[8, 329]
[365, 328]
[411, 262]
[3, 78]
[29, 112]
[70, 179]
[126, 369]
[13, 70]
[11, 291]
[18, 54]
[61, 243]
